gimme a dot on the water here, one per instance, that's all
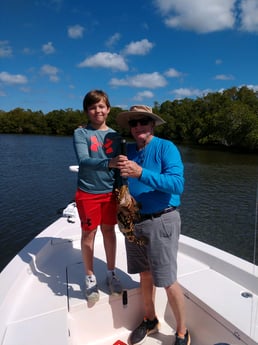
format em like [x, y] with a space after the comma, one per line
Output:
[220, 200]
[218, 205]
[35, 183]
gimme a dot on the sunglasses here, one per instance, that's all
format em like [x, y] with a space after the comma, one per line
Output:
[142, 122]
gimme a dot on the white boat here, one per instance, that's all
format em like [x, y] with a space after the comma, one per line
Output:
[42, 300]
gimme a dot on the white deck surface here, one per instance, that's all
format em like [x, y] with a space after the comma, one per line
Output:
[41, 298]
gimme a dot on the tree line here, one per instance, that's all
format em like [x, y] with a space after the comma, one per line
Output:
[227, 119]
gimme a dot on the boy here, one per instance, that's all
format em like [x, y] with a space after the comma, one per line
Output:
[95, 146]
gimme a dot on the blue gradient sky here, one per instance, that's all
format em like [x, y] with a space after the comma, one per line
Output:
[139, 51]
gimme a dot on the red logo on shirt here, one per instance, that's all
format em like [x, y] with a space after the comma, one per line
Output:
[94, 144]
[107, 146]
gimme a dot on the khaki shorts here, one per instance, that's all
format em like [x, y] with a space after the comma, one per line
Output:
[159, 255]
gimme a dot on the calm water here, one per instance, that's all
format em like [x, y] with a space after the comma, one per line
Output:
[218, 205]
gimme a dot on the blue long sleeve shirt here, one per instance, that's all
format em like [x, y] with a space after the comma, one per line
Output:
[162, 180]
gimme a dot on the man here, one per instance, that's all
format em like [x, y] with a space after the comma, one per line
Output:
[154, 170]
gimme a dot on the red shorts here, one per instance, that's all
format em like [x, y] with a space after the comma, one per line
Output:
[96, 209]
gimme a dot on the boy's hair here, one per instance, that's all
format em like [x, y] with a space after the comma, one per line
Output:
[93, 97]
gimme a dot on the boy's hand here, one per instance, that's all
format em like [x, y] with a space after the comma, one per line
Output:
[117, 162]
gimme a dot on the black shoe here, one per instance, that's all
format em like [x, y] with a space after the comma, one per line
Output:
[143, 330]
[183, 341]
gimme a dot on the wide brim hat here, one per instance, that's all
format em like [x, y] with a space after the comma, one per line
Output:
[137, 112]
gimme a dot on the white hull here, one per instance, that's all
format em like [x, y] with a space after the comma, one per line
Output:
[41, 299]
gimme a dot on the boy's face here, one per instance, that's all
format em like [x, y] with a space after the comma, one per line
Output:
[98, 113]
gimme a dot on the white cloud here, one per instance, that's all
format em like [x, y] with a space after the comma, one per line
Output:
[249, 15]
[48, 48]
[113, 39]
[151, 81]
[185, 92]
[27, 51]
[105, 60]
[51, 72]
[142, 95]
[199, 15]
[252, 87]
[224, 77]
[5, 49]
[52, 4]
[173, 73]
[138, 48]
[75, 31]
[25, 89]
[7, 78]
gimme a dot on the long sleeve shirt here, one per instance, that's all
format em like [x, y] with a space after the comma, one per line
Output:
[162, 180]
[94, 148]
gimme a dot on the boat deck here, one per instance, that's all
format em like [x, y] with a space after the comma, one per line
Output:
[45, 290]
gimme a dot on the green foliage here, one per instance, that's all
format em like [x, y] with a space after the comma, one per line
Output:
[227, 119]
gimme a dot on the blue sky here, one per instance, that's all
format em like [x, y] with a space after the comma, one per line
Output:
[139, 51]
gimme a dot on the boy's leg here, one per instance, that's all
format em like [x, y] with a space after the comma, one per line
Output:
[87, 249]
[109, 219]
[109, 239]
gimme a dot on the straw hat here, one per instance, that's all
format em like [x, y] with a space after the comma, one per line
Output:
[137, 112]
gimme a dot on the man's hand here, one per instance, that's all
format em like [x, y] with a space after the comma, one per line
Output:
[127, 168]
[130, 169]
